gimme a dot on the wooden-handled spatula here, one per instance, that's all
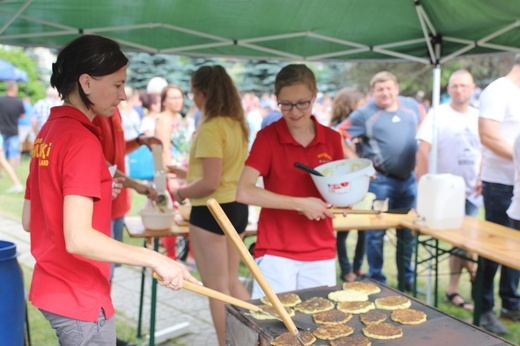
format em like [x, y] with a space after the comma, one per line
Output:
[208, 292]
[232, 235]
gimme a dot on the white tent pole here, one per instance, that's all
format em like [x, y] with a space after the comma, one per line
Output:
[432, 167]
[436, 96]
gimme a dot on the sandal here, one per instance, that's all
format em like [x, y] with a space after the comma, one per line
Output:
[464, 304]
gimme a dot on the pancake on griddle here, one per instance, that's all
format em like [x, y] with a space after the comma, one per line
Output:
[331, 317]
[354, 340]
[314, 305]
[356, 307]
[383, 331]
[393, 303]
[363, 287]
[287, 339]
[408, 316]
[348, 296]
[270, 309]
[333, 331]
[372, 317]
[287, 299]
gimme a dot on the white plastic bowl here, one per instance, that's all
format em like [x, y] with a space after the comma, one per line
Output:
[154, 219]
[345, 182]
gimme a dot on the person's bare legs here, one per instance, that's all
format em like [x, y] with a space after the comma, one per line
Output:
[8, 169]
[455, 271]
[456, 264]
[217, 262]
[471, 266]
[14, 161]
[237, 289]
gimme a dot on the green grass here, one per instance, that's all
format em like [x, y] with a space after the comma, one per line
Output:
[42, 334]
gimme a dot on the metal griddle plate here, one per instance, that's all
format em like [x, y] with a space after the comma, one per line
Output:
[439, 329]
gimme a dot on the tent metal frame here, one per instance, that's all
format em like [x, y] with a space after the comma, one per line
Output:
[429, 32]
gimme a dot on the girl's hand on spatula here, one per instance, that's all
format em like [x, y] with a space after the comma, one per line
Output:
[314, 208]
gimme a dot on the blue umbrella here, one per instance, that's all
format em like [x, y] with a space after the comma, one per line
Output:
[10, 72]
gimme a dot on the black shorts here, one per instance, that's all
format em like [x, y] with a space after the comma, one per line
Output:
[237, 213]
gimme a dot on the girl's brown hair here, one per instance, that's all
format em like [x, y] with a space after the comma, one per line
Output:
[345, 102]
[295, 74]
[222, 98]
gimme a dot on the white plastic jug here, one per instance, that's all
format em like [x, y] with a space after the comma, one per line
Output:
[441, 200]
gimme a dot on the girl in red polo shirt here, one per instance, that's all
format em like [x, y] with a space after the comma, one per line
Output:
[296, 246]
[68, 200]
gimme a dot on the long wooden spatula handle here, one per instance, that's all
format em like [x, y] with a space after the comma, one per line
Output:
[208, 292]
[232, 235]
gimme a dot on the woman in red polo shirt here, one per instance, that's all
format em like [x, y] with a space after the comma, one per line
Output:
[68, 200]
[296, 246]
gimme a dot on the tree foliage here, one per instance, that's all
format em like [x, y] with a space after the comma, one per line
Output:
[258, 75]
[413, 76]
[175, 69]
[330, 76]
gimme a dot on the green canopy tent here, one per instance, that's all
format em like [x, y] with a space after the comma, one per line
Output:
[426, 31]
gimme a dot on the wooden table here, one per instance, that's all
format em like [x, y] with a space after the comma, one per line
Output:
[368, 222]
[486, 239]
[340, 223]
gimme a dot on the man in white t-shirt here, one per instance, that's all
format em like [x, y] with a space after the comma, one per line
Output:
[458, 153]
[499, 125]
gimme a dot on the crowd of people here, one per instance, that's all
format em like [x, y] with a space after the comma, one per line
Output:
[240, 150]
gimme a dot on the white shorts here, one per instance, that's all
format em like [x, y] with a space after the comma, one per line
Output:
[284, 274]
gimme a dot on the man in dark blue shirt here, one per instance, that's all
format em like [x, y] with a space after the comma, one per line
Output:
[387, 126]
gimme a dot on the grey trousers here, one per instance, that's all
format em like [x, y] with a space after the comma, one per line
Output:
[73, 332]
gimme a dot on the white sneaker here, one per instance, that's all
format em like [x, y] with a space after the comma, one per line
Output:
[15, 189]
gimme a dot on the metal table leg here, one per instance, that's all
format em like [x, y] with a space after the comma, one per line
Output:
[141, 301]
[416, 255]
[153, 301]
[400, 262]
[479, 280]
[436, 283]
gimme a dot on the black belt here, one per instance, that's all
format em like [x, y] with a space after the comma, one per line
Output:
[390, 175]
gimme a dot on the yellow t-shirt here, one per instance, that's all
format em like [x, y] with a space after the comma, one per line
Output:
[220, 137]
